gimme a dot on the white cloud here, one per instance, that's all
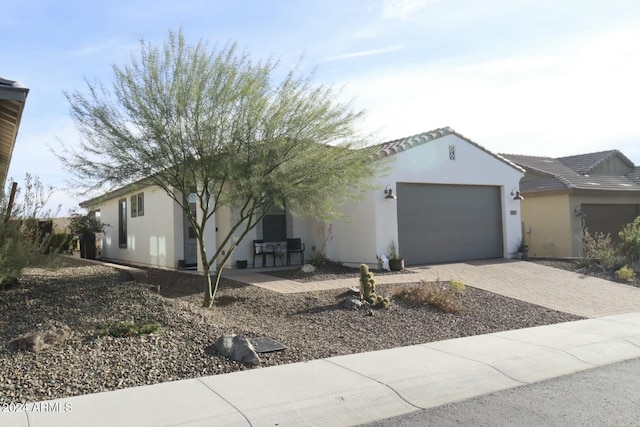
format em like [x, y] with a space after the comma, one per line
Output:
[399, 9]
[362, 53]
[573, 99]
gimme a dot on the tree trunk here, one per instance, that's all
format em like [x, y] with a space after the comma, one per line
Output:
[219, 268]
[208, 292]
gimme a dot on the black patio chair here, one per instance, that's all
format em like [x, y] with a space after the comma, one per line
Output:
[295, 246]
[261, 248]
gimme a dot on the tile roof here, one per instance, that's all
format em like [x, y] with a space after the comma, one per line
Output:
[585, 164]
[568, 173]
[634, 175]
[396, 146]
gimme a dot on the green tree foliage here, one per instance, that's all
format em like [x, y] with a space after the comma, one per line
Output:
[22, 241]
[630, 236]
[191, 118]
[85, 223]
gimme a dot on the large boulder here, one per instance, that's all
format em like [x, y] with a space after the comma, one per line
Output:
[238, 348]
[38, 340]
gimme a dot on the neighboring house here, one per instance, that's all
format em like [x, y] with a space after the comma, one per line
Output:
[599, 191]
[454, 203]
[13, 96]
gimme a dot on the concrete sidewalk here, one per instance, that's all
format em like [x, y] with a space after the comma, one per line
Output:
[354, 389]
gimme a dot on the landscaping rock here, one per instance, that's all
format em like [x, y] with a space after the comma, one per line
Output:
[87, 295]
[307, 268]
[238, 348]
[38, 340]
[351, 303]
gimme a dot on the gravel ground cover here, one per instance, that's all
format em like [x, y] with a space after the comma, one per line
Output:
[594, 270]
[329, 271]
[312, 325]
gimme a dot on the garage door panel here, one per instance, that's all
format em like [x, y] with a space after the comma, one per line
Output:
[442, 223]
[608, 218]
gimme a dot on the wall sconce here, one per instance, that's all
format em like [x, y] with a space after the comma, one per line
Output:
[389, 193]
[516, 194]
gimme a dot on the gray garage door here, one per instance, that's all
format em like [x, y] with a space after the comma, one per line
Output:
[446, 223]
[608, 219]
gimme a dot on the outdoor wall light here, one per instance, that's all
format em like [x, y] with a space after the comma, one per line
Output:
[516, 194]
[389, 193]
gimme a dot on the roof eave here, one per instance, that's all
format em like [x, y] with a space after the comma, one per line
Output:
[14, 95]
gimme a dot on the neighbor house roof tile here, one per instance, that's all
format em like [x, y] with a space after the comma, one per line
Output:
[559, 174]
[585, 164]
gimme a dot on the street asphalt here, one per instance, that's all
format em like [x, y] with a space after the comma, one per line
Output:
[605, 396]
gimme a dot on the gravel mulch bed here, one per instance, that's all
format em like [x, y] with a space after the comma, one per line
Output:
[311, 325]
[328, 271]
[594, 270]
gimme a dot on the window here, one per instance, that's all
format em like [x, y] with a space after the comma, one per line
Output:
[134, 206]
[137, 205]
[122, 223]
[274, 225]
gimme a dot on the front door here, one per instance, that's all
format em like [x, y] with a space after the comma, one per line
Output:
[190, 241]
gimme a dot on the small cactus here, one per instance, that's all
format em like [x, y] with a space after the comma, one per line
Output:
[367, 283]
[368, 289]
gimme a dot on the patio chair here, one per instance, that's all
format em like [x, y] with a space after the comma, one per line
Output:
[295, 246]
[261, 248]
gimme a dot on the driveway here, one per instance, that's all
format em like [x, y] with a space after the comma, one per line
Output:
[546, 286]
[536, 284]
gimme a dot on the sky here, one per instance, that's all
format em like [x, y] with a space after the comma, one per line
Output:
[538, 77]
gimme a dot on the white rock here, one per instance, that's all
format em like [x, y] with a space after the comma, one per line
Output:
[308, 268]
[238, 348]
[385, 262]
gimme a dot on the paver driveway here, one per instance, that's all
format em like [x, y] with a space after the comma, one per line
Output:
[534, 283]
[546, 286]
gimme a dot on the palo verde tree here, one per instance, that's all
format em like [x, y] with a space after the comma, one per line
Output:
[194, 119]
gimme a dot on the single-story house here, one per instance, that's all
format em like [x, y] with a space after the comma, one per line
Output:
[13, 96]
[599, 191]
[443, 198]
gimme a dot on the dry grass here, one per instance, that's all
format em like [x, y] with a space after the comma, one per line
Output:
[446, 296]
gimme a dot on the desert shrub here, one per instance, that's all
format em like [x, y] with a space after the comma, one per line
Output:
[597, 248]
[126, 329]
[62, 243]
[630, 236]
[436, 294]
[457, 286]
[23, 239]
[319, 257]
[625, 273]
[619, 261]
[17, 250]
